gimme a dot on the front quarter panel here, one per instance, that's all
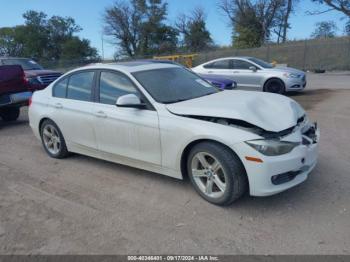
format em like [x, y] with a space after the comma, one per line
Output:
[177, 132]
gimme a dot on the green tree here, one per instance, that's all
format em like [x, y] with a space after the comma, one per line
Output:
[45, 39]
[8, 42]
[138, 27]
[60, 31]
[75, 48]
[195, 35]
[325, 29]
[34, 35]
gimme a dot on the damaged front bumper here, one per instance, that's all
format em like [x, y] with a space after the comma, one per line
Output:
[279, 173]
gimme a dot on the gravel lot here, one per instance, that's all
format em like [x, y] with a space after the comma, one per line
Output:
[82, 205]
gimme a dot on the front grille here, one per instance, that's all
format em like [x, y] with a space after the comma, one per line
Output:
[48, 79]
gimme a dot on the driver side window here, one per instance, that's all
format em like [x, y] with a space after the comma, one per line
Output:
[240, 64]
[113, 85]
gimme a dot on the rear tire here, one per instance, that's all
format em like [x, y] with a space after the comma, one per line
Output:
[216, 173]
[275, 86]
[53, 140]
[9, 114]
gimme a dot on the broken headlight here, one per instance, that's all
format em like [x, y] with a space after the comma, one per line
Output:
[272, 147]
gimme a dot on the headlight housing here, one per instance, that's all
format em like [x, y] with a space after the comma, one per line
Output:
[292, 75]
[272, 147]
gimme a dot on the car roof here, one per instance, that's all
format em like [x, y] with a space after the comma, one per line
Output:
[132, 66]
[234, 57]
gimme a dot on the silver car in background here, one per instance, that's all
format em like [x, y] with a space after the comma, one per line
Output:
[254, 74]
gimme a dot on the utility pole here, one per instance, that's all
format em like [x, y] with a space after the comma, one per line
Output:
[103, 50]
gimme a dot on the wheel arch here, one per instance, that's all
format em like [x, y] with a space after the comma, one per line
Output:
[42, 121]
[187, 149]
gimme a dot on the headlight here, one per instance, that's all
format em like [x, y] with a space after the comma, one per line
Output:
[272, 147]
[291, 75]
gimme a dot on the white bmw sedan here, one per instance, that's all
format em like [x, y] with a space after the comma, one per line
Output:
[166, 119]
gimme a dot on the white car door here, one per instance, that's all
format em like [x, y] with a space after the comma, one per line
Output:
[245, 77]
[124, 132]
[72, 110]
[220, 67]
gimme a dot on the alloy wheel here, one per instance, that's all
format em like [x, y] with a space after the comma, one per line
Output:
[51, 139]
[208, 174]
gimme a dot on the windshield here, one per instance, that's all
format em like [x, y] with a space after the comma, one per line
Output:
[171, 85]
[26, 64]
[261, 63]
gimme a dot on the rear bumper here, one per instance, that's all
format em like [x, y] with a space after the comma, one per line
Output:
[18, 99]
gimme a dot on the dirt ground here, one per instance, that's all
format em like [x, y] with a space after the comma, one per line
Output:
[82, 205]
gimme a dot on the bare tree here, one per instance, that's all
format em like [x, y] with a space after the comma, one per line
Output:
[263, 12]
[193, 29]
[123, 23]
[325, 29]
[338, 5]
[282, 17]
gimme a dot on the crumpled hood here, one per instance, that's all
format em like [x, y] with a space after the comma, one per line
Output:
[270, 112]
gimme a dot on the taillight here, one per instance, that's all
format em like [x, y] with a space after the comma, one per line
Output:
[30, 101]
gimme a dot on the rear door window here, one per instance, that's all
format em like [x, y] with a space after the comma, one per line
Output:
[80, 86]
[222, 64]
[60, 89]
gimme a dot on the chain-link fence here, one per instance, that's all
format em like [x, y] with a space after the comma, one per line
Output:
[318, 54]
[328, 54]
[65, 65]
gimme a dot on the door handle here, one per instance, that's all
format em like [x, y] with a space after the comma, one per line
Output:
[58, 105]
[100, 114]
[210, 72]
[235, 72]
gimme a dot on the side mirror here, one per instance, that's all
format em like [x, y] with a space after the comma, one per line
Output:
[131, 101]
[253, 68]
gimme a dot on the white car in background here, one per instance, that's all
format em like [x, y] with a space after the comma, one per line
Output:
[254, 74]
[163, 118]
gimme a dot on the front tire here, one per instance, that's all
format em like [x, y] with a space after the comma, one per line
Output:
[53, 140]
[9, 114]
[216, 173]
[275, 85]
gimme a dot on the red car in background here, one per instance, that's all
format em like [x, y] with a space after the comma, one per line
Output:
[36, 76]
[13, 91]
[19, 77]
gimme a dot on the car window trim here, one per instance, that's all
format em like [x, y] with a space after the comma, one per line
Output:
[144, 99]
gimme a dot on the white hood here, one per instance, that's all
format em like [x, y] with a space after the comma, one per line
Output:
[270, 112]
